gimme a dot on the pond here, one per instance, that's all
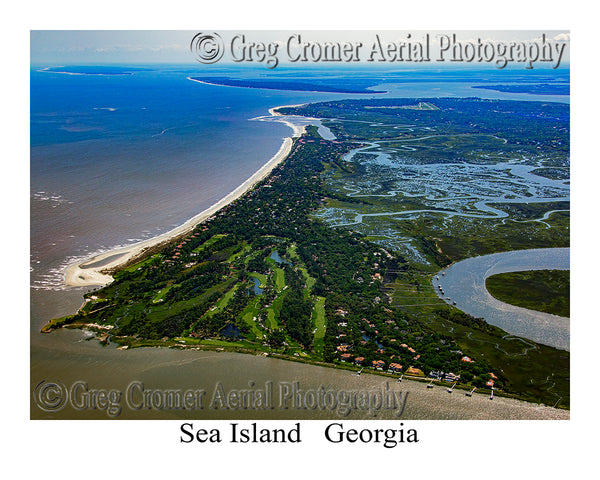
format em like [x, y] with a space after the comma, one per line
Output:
[256, 288]
[231, 331]
[275, 256]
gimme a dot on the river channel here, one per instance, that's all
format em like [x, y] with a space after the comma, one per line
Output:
[464, 283]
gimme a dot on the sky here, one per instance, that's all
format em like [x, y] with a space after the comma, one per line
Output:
[69, 47]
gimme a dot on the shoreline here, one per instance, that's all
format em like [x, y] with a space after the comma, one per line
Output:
[102, 335]
[281, 89]
[77, 275]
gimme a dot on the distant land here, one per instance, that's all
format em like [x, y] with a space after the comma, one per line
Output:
[95, 70]
[284, 85]
[534, 89]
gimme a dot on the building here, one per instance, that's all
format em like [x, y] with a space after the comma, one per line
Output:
[395, 367]
[378, 364]
[346, 357]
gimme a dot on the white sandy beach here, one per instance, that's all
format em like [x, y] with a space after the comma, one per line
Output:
[78, 275]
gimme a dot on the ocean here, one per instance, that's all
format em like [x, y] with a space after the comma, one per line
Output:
[120, 158]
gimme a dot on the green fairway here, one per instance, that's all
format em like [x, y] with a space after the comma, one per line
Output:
[319, 322]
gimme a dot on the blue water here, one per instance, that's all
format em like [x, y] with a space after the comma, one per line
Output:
[275, 256]
[256, 287]
[120, 158]
[231, 331]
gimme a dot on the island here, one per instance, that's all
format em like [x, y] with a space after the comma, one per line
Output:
[330, 258]
[533, 88]
[95, 70]
[331, 86]
[544, 290]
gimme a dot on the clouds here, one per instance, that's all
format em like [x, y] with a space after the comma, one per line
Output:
[562, 37]
[89, 46]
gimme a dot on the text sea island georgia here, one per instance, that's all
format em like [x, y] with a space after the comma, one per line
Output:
[428, 48]
[333, 433]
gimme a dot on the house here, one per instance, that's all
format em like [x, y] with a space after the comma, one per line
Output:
[359, 360]
[346, 357]
[395, 367]
[378, 364]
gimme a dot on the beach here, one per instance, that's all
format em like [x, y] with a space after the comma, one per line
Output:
[94, 270]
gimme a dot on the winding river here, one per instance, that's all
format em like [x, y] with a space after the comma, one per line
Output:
[464, 283]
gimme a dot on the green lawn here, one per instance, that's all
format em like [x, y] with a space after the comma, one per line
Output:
[224, 300]
[261, 278]
[248, 315]
[273, 313]
[245, 249]
[135, 266]
[209, 242]
[319, 322]
[279, 279]
[160, 296]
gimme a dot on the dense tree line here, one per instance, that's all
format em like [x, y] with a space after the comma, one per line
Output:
[296, 311]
